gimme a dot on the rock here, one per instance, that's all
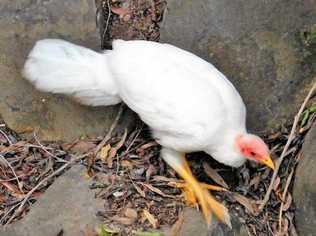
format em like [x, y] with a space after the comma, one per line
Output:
[265, 53]
[304, 190]
[26, 110]
[68, 206]
[194, 224]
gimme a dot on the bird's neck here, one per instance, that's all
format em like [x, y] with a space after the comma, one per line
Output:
[226, 150]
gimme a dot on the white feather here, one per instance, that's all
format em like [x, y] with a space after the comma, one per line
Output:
[57, 66]
[187, 102]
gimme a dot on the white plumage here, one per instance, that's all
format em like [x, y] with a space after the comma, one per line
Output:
[188, 104]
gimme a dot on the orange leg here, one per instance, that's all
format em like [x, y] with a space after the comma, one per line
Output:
[195, 191]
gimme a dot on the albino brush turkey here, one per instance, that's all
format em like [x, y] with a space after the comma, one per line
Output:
[188, 104]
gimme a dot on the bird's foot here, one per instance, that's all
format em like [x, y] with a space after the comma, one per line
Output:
[189, 195]
[196, 192]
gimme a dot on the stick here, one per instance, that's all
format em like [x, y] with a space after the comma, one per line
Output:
[6, 137]
[109, 134]
[286, 147]
[287, 184]
[13, 171]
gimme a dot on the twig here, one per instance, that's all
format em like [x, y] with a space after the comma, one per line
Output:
[109, 134]
[286, 147]
[6, 137]
[29, 194]
[13, 171]
[41, 146]
[287, 184]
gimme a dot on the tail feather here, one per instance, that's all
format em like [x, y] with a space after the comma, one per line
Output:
[58, 66]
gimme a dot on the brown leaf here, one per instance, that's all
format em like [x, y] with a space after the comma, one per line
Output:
[138, 189]
[2, 198]
[157, 190]
[147, 145]
[131, 213]
[249, 204]
[255, 182]
[152, 220]
[276, 183]
[287, 203]
[13, 190]
[120, 11]
[113, 150]
[214, 175]
[83, 146]
[104, 152]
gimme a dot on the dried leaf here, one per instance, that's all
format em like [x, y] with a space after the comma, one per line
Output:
[152, 220]
[255, 181]
[276, 183]
[113, 150]
[141, 192]
[83, 147]
[287, 203]
[2, 198]
[104, 152]
[157, 190]
[13, 190]
[249, 204]
[131, 213]
[214, 175]
[120, 11]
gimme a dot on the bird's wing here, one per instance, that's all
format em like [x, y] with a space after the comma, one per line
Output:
[173, 91]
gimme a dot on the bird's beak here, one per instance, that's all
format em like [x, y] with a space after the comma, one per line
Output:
[268, 162]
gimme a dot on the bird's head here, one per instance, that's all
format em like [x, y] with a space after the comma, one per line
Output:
[254, 148]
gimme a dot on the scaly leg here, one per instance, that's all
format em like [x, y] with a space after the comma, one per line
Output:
[198, 190]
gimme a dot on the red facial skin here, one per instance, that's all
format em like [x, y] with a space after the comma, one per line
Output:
[252, 147]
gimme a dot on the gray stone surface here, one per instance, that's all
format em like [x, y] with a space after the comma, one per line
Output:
[304, 191]
[24, 109]
[259, 45]
[68, 206]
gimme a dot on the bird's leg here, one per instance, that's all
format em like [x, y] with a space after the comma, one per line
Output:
[198, 191]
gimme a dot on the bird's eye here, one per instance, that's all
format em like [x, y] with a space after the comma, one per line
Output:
[252, 154]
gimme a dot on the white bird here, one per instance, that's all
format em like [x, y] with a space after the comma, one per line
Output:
[188, 104]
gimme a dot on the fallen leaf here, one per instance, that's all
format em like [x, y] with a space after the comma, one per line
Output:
[214, 175]
[82, 146]
[13, 190]
[131, 213]
[152, 220]
[249, 204]
[157, 190]
[104, 152]
[276, 183]
[287, 203]
[127, 164]
[141, 192]
[113, 150]
[2, 198]
[120, 11]
[255, 181]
